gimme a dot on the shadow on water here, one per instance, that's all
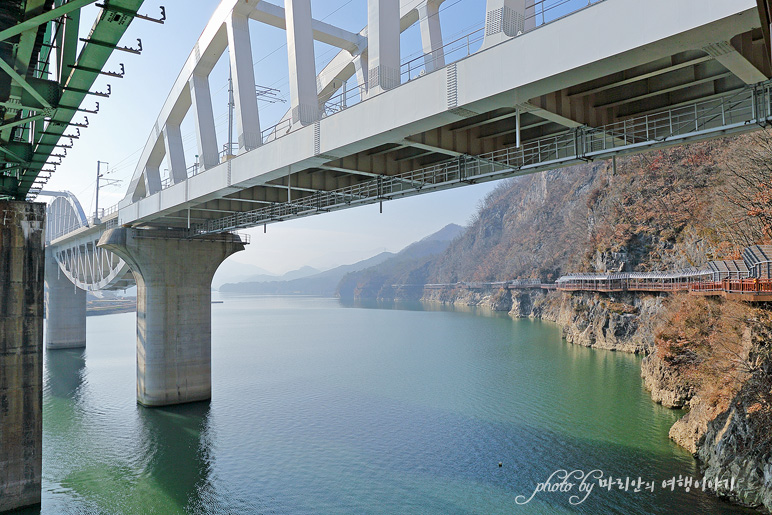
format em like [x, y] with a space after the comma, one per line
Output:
[102, 456]
[64, 372]
[178, 452]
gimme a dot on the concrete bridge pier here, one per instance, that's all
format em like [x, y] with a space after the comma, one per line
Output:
[174, 313]
[65, 309]
[22, 262]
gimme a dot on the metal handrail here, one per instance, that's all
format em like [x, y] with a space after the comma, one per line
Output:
[409, 68]
[563, 148]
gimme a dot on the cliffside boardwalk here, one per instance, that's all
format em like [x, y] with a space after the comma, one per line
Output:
[748, 279]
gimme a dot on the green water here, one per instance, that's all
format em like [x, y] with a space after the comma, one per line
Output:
[319, 407]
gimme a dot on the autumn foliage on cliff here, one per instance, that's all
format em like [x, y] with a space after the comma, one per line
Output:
[706, 341]
[723, 349]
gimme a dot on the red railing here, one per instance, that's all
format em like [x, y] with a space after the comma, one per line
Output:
[668, 285]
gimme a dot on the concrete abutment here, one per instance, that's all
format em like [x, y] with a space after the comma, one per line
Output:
[174, 313]
[22, 263]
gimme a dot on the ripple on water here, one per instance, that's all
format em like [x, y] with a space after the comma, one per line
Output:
[318, 408]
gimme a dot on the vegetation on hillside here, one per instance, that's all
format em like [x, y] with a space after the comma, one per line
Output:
[660, 210]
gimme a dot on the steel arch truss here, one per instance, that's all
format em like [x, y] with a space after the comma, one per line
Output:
[92, 268]
[86, 265]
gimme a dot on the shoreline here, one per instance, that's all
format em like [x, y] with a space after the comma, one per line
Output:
[627, 323]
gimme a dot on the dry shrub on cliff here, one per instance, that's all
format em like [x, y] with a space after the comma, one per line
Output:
[749, 189]
[705, 340]
[756, 395]
[654, 204]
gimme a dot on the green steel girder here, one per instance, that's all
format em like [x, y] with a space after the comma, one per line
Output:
[110, 25]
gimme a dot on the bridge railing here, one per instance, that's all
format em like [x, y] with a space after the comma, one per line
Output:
[547, 11]
[742, 107]
[102, 214]
[451, 52]
[719, 114]
[736, 108]
[409, 70]
[544, 11]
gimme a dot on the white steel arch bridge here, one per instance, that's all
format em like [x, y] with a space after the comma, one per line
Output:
[526, 98]
[610, 77]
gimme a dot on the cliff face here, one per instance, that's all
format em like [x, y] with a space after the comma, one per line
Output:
[723, 374]
[623, 322]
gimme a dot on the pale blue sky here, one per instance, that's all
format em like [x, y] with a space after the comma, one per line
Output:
[118, 133]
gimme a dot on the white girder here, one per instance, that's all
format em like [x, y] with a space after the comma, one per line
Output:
[228, 28]
[509, 73]
[503, 86]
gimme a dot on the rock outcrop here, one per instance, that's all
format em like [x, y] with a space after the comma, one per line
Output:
[665, 384]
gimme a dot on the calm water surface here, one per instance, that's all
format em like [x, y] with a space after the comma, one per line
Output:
[319, 407]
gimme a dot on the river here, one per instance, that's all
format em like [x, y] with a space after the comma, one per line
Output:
[320, 407]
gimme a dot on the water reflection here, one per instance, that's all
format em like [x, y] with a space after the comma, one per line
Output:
[410, 305]
[178, 450]
[357, 411]
[65, 369]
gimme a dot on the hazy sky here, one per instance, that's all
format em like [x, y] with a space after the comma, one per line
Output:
[118, 133]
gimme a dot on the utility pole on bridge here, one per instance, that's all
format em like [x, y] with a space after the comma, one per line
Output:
[108, 182]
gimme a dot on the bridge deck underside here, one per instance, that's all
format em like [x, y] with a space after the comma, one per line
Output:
[614, 104]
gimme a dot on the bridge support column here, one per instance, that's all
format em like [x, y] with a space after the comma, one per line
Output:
[174, 312]
[22, 264]
[383, 45]
[65, 309]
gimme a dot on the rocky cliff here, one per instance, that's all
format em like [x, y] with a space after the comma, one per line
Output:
[714, 358]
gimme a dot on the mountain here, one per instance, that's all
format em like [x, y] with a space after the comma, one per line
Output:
[235, 271]
[326, 284]
[289, 276]
[408, 267]
[323, 284]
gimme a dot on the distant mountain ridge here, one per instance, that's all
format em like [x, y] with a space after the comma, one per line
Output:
[305, 271]
[321, 283]
[327, 284]
[408, 266]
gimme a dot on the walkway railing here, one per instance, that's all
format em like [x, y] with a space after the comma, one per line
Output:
[700, 283]
[734, 112]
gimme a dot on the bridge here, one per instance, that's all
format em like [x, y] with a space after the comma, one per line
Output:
[520, 102]
[519, 96]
